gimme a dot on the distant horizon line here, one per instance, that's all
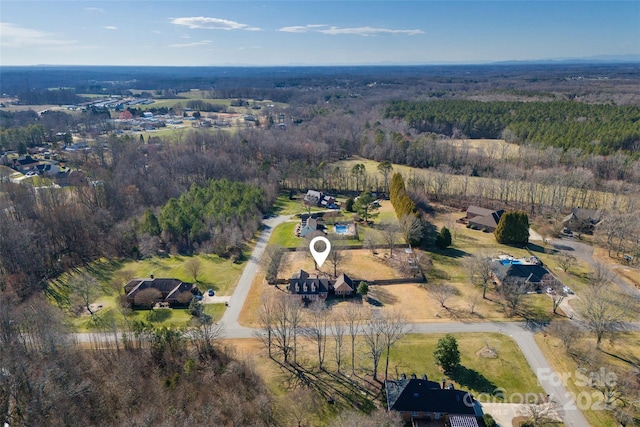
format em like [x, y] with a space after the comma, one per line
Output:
[634, 60]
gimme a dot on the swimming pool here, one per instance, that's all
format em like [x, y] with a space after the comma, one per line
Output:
[511, 262]
[340, 229]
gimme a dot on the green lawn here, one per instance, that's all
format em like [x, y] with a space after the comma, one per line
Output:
[216, 273]
[480, 375]
[283, 235]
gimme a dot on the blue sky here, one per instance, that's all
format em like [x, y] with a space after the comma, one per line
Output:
[192, 32]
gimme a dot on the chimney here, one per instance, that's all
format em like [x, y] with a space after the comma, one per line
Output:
[444, 383]
[413, 376]
[152, 277]
[424, 377]
[403, 376]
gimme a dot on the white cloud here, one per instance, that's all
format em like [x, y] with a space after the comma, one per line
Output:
[110, 27]
[212, 23]
[360, 31]
[192, 44]
[301, 28]
[12, 35]
[94, 9]
[368, 31]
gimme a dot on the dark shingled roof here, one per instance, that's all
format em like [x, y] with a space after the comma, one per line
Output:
[419, 395]
[531, 273]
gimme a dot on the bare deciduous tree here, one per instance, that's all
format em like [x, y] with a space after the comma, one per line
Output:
[84, 288]
[394, 328]
[566, 261]
[374, 340]
[271, 262]
[472, 301]
[390, 235]
[602, 313]
[600, 276]
[337, 256]
[338, 331]
[566, 332]
[318, 325]
[193, 267]
[441, 292]
[479, 267]
[353, 316]
[412, 229]
[280, 318]
[553, 287]
[512, 292]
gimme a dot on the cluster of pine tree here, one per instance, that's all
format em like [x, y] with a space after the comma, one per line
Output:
[222, 213]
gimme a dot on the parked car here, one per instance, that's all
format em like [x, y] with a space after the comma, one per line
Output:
[198, 297]
[210, 292]
[567, 290]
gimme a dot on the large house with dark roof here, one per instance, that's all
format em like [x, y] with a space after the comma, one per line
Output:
[420, 399]
[310, 288]
[170, 290]
[483, 219]
[515, 270]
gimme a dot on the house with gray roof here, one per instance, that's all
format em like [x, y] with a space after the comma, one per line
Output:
[482, 218]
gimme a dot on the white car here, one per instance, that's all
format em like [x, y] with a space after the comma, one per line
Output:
[567, 290]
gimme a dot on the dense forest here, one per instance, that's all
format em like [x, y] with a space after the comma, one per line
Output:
[599, 129]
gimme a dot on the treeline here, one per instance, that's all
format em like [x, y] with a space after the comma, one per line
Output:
[49, 96]
[599, 129]
[200, 105]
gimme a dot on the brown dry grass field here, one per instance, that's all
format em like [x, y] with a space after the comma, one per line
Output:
[623, 352]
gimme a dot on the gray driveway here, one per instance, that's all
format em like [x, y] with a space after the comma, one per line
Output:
[229, 321]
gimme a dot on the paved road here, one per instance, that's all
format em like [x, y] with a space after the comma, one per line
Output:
[585, 252]
[229, 322]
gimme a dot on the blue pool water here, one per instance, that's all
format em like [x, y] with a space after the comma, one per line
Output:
[510, 262]
[340, 229]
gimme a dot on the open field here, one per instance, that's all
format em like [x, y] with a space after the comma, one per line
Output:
[621, 353]
[488, 362]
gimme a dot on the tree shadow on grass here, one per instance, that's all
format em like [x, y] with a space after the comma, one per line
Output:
[540, 249]
[104, 270]
[382, 295]
[472, 379]
[344, 391]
